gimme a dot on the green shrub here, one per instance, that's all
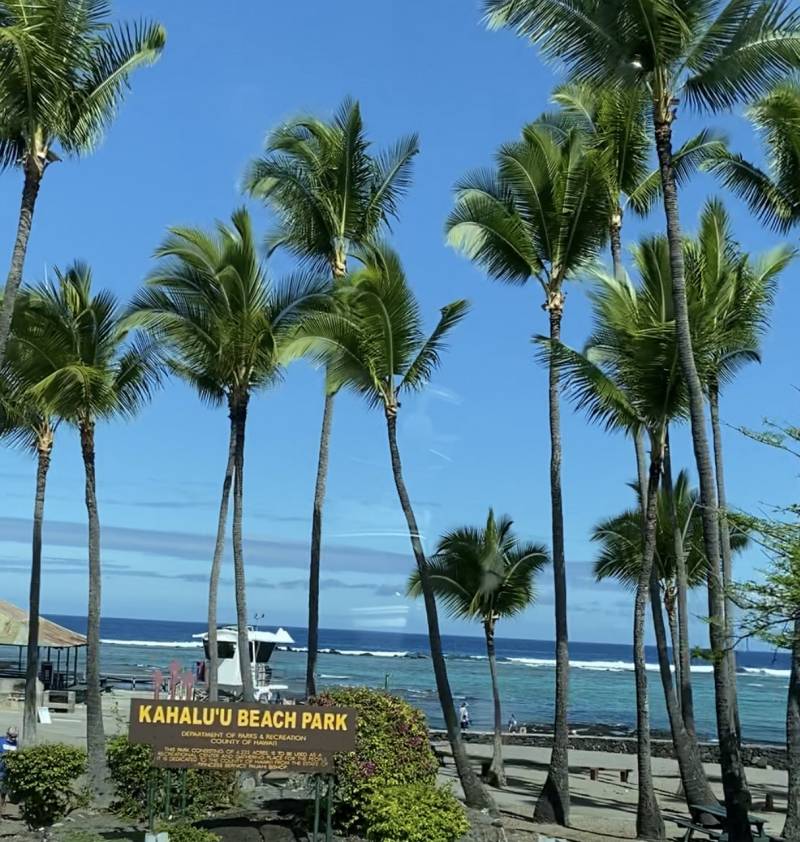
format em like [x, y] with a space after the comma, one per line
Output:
[130, 768]
[43, 780]
[415, 813]
[187, 832]
[392, 748]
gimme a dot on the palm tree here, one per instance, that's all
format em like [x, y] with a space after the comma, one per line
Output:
[629, 379]
[615, 119]
[64, 70]
[713, 54]
[378, 348]
[541, 215]
[331, 196]
[97, 372]
[732, 294]
[31, 424]
[620, 557]
[485, 574]
[225, 331]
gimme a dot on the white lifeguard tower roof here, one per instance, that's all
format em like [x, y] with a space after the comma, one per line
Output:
[231, 633]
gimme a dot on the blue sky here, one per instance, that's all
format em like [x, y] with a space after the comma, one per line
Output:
[477, 437]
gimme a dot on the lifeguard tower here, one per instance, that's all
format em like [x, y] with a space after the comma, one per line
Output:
[262, 644]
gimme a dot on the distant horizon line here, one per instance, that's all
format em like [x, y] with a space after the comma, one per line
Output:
[204, 624]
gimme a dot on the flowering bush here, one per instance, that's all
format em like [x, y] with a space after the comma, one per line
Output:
[392, 749]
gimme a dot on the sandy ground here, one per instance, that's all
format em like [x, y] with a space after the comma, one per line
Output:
[606, 808]
[602, 809]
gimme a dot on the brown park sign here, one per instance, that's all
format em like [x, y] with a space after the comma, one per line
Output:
[220, 735]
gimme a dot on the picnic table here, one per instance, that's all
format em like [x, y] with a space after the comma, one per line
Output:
[719, 830]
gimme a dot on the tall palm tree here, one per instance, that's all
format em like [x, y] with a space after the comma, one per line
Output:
[331, 196]
[64, 70]
[713, 54]
[542, 215]
[379, 349]
[734, 295]
[629, 377]
[224, 330]
[97, 373]
[31, 424]
[485, 574]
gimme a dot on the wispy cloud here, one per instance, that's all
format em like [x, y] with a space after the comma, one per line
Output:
[163, 545]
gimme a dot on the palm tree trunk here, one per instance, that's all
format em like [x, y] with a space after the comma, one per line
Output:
[316, 547]
[649, 824]
[675, 643]
[737, 798]
[552, 806]
[497, 772]
[44, 450]
[30, 190]
[641, 473]
[725, 548]
[682, 583]
[791, 829]
[693, 777]
[95, 731]
[216, 566]
[615, 237]
[475, 794]
[239, 421]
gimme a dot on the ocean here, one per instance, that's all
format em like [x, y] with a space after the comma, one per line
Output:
[602, 689]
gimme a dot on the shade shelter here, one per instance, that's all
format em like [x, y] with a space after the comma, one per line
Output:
[59, 648]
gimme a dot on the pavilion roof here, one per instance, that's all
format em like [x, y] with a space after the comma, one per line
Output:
[14, 630]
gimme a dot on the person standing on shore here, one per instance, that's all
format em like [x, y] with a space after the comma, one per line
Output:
[463, 716]
[7, 744]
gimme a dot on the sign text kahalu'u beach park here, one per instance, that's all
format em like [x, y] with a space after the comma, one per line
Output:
[219, 735]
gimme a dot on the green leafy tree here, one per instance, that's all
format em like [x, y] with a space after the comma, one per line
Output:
[711, 54]
[378, 349]
[331, 195]
[225, 330]
[64, 70]
[772, 605]
[97, 372]
[541, 215]
[485, 574]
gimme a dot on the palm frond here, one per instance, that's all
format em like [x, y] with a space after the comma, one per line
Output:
[428, 358]
[766, 198]
[483, 573]
[695, 154]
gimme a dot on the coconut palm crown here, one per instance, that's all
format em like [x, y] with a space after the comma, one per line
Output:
[484, 574]
[64, 69]
[330, 194]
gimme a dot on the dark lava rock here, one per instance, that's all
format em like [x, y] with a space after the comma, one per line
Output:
[244, 829]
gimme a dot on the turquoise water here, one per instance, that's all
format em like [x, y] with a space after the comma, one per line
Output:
[601, 678]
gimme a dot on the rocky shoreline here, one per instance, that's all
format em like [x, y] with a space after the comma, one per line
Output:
[598, 738]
